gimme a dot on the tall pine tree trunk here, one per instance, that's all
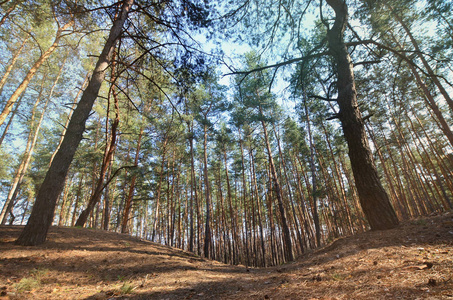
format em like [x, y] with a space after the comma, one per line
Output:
[193, 191]
[387, 173]
[109, 151]
[11, 65]
[159, 187]
[8, 12]
[290, 193]
[233, 214]
[314, 193]
[31, 73]
[207, 235]
[74, 105]
[278, 191]
[420, 55]
[244, 200]
[373, 198]
[35, 232]
[64, 200]
[10, 121]
[130, 195]
[431, 102]
[31, 142]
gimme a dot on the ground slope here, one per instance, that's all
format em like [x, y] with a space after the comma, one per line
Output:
[412, 261]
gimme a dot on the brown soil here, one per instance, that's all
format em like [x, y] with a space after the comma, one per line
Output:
[413, 261]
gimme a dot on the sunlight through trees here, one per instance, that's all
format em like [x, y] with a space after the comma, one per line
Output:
[148, 118]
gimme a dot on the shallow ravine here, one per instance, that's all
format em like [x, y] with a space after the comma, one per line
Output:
[414, 260]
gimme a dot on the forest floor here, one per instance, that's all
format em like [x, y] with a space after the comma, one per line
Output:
[412, 261]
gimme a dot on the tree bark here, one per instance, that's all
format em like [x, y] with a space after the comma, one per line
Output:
[35, 232]
[387, 174]
[108, 151]
[68, 119]
[373, 198]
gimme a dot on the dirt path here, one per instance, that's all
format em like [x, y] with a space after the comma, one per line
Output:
[412, 261]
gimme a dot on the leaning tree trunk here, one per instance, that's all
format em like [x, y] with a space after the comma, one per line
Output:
[67, 120]
[23, 167]
[108, 152]
[35, 232]
[8, 12]
[420, 55]
[11, 65]
[373, 198]
[28, 152]
[31, 73]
